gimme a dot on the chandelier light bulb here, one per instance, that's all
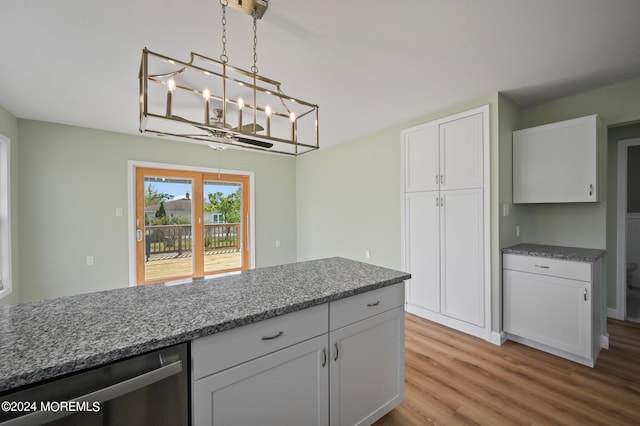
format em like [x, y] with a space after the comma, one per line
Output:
[171, 85]
[292, 116]
[268, 111]
[240, 106]
[206, 94]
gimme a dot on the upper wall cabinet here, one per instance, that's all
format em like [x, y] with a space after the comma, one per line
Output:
[444, 155]
[556, 163]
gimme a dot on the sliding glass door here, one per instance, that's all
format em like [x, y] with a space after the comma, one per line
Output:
[190, 224]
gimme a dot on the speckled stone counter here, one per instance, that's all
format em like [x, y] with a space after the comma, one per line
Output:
[575, 254]
[49, 338]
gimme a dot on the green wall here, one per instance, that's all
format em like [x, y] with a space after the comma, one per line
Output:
[9, 128]
[71, 180]
[586, 224]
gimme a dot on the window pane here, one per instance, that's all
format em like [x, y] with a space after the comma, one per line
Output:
[168, 227]
[222, 225]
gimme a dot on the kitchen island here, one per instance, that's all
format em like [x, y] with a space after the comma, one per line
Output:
[50, 338]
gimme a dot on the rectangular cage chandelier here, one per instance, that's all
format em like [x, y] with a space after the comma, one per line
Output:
[208, 101]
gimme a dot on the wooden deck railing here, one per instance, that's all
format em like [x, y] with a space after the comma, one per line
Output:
[165, 239]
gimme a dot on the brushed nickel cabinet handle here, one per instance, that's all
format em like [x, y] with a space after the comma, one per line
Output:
[324, 357]
[275, 336]
[591, 190]
[376, 303]
[585, 294]
[541, 266]
[335, 345]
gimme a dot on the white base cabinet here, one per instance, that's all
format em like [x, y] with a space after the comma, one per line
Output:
[288, 387]
[367, 369]
[553, 305]
[340, 363]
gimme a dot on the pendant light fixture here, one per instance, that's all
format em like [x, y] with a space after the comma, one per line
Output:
[207, 101]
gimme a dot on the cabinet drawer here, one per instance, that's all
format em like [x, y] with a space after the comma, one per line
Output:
[546, 266]
[355, 308]
[219, 351]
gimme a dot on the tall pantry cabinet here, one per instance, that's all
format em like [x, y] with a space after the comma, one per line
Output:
[445, 211]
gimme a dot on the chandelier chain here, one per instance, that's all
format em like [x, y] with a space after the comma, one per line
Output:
[223, 57]
[254, 68]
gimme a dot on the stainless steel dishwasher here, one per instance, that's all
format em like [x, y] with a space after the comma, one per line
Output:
[149, 389]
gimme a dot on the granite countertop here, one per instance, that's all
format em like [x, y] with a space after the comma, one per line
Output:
[575, 254]
[49, 338]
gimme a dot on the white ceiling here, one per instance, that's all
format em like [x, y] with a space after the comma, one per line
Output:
[368, 64]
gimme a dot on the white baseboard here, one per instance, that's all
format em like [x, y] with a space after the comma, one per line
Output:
[604, 341]
[498, 338]
[474, 330]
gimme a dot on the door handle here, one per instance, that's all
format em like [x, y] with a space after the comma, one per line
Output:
[139, 235]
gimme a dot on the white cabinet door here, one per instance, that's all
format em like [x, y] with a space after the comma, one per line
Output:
[422, 250]
[549, 310]
[461, 157]
[367, 368]
[421, 159]
[461, 259]
[288, 387]
[556, 163]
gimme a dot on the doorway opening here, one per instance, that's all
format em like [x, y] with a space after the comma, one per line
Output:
[628, 262]
[190, 223]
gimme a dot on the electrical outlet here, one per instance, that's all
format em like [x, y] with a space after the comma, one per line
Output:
[517, 231]
[505, 210]
[277, 243]
[119, 211]
[89, 260]
[367, 253]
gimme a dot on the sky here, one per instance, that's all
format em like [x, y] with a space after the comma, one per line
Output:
[179, 189]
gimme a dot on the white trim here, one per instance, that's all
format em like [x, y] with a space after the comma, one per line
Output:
[133, 164]
[604, 341]
[612, 313]
[498, 338]
[621, 263]
[5, 215]
[485, 332]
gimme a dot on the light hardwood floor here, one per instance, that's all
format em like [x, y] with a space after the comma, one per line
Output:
[455, 379]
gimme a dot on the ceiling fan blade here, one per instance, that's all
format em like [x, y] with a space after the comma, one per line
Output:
[254, 142]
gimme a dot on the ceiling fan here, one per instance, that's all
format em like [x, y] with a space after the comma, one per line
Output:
[228, 135]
